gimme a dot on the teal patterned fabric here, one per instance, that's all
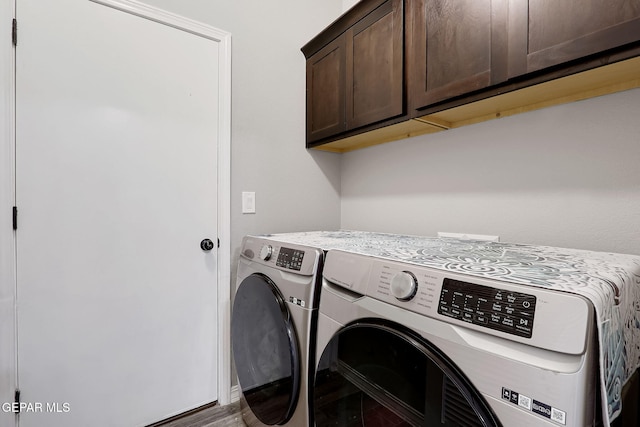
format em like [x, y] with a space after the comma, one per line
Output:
[610, 281]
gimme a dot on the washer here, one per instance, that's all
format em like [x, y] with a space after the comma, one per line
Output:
[404, 344]
[272, 330]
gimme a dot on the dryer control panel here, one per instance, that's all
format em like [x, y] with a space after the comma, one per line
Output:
[499, 309]
[290, 258]
[297, 259]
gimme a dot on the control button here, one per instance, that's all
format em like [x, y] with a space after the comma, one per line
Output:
[266, 252]
[481, 319]
[404, 286]
[508, 321]
[526, 302]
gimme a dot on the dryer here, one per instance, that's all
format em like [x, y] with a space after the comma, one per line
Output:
[404, 344]
[272, 330]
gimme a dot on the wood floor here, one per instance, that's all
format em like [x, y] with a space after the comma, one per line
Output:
[213, 416]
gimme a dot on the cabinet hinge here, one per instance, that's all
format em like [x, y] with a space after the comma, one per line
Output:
[14, 32]
[15, 217]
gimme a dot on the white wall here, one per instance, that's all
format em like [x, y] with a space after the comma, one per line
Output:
[295, 189]
[566, 176]
[348, 4]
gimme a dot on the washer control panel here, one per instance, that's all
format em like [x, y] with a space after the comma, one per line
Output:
[498, 309]
[533, 315]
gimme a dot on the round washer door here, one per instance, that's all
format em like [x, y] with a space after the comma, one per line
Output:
[265, 350]
[381, 374]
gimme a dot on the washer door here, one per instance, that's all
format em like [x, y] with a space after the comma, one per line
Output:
[380, 374]
[265, 350]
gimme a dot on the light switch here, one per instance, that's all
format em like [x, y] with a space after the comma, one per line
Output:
[248, 202]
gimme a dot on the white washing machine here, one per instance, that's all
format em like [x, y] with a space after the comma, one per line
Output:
[273, 319]
[404, 344]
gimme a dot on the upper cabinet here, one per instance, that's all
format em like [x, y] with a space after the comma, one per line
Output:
[546, 33]
[455, 47]
[326, 91]
[357, 77]
[375, 66]
[390, 69]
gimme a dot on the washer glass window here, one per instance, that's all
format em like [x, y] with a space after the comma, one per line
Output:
[378, 374]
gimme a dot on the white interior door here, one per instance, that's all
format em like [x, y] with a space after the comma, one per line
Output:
[116, 127]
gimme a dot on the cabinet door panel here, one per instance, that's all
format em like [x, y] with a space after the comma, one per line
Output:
[326, 91]
[456, 47]
[544, 33]
[375, 66]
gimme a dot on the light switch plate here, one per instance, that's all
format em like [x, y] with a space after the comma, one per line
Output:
[248, 202]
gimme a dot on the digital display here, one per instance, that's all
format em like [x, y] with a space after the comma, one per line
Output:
[290, 258]
[499, 309]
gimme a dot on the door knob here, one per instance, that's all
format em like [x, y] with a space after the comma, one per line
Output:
[206, 245]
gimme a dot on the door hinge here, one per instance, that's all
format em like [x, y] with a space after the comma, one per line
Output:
[15, 217]
[14, 32]
[16, 401]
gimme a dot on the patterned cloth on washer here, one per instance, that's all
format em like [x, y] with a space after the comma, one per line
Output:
[610, 281]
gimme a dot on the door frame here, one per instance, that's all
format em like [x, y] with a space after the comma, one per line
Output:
[8, 278]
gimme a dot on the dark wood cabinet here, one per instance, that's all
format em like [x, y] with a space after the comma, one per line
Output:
[326, 91]
[455, 47]
[357, 77]
[375, 66]
[392, 69]
[547, 33]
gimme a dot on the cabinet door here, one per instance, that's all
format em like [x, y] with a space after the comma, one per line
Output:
[375, 66]
[326, 71]
[456, 47]
[543, 33]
